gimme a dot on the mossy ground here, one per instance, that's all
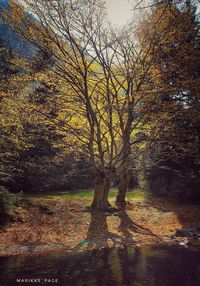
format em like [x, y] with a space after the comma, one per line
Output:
[135, 194]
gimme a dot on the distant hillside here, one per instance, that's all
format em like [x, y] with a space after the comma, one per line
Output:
[9, 36]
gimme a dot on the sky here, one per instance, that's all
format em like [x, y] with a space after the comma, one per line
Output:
[119, 11]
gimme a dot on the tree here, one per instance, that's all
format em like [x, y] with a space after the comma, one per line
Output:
[11, 128]
[104, 80]
[176, 78]
[23, 130]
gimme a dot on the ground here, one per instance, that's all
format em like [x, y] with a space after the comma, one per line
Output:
[145, 221]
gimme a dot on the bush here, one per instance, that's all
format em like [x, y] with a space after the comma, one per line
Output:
[177, 184]
[8, 201]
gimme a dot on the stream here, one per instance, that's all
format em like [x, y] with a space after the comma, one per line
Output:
[131, 266]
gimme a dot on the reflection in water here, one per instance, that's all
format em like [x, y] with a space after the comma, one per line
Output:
[146, 266]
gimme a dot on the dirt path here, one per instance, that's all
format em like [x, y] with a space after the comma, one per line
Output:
[71, 227]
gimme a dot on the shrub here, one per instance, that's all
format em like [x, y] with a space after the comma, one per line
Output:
[8, 201]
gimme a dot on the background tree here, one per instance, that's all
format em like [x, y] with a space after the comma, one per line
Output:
[11, 140]
[176, 78]
[31, 145]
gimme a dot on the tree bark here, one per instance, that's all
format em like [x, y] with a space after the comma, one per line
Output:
[101, 190]
[124, 180]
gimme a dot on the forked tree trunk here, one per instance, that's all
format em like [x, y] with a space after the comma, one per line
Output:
[101, 190]
[124, 180]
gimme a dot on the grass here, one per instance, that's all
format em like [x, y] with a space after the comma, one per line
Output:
[135, 194]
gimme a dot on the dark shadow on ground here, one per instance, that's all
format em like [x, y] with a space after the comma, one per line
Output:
[187, 213]
[99, 235]
[128, 227]
[98, 230]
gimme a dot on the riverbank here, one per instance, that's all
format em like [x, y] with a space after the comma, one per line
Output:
[53, 223]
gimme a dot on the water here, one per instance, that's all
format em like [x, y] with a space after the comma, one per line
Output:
[145, 266]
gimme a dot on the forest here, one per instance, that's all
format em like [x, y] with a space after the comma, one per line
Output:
[99, 125]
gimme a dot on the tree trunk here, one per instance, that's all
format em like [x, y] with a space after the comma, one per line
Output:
[101, 190]
[124, 179]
